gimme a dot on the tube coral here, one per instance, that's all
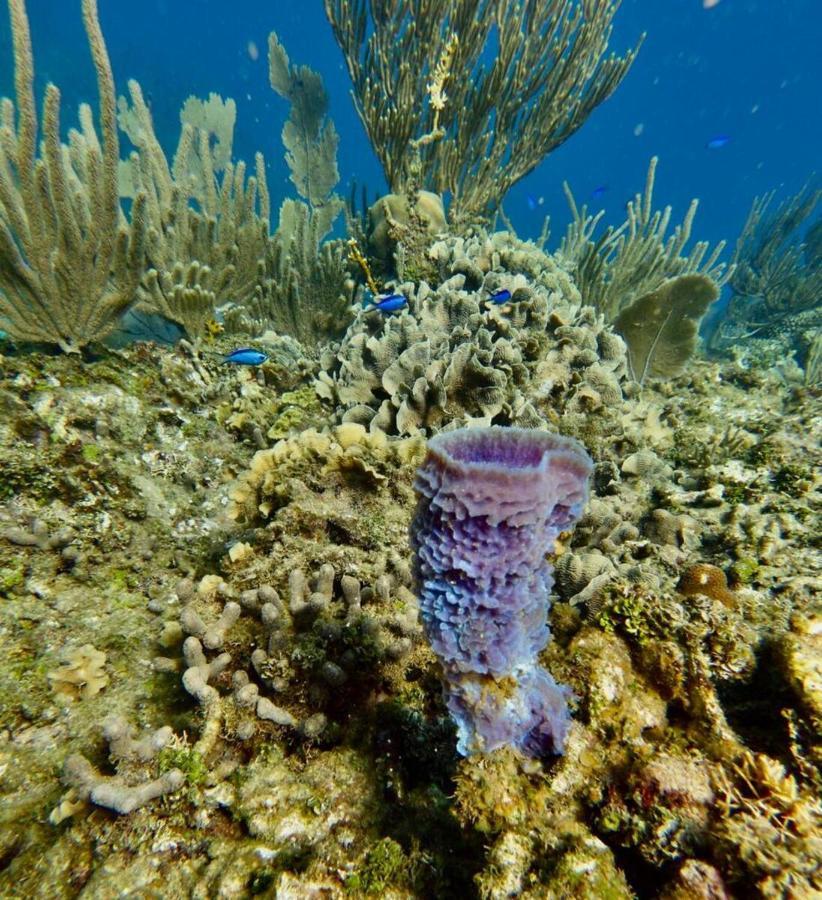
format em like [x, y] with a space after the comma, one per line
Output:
[492, 502]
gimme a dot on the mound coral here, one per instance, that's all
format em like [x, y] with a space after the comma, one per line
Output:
[708, 580]
[492, 502]
[451, 357]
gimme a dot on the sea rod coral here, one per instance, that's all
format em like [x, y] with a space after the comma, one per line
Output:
[492, 502]
[69, 265]
[492, 124]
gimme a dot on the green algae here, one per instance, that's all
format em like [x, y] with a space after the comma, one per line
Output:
[12, 578]
[296, 411]
[91, 453]
[628, 611]
[744, 570]
[792, 479]
[187, 760]
[385, 865]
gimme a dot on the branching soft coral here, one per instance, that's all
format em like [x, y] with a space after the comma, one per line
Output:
[489, 125]
[69, 262]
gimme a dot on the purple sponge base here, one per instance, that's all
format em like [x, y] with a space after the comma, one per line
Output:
[529, 712]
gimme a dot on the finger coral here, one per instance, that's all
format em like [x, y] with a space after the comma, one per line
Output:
[492, 503]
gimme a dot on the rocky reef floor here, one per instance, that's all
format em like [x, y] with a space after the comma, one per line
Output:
[213, 682]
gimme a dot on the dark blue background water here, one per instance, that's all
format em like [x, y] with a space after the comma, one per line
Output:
[749, 69]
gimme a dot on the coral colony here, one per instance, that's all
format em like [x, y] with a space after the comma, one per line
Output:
[212, 622]
[492, 502]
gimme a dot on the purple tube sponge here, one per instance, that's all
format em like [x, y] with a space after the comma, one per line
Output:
[492, 502]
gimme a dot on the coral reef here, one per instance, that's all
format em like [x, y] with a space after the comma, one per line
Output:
[492, 502]
[298, 704]
[215, 676]
[291, 730]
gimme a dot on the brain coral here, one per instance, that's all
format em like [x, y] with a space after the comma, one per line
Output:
[492, 502]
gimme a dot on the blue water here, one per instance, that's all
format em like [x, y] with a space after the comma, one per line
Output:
[746, 69]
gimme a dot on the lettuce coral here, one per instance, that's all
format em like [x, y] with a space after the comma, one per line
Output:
[492, 503]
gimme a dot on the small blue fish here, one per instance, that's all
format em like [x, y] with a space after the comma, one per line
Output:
[499, 297]
[718, 142]
[387, 303]
[245, 356]
[599, 192]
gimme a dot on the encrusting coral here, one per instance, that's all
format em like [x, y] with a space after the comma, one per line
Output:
[84, 676]
[400, 233]
[361, 457]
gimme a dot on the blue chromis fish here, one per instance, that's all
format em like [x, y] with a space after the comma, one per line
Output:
[387, 303]
[245, 356]
[499, 297]
[718, 142]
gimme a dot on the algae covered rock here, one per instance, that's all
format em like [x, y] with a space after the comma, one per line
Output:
[299, 808]
[800, 656]
[586, 870]
[390, 220]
